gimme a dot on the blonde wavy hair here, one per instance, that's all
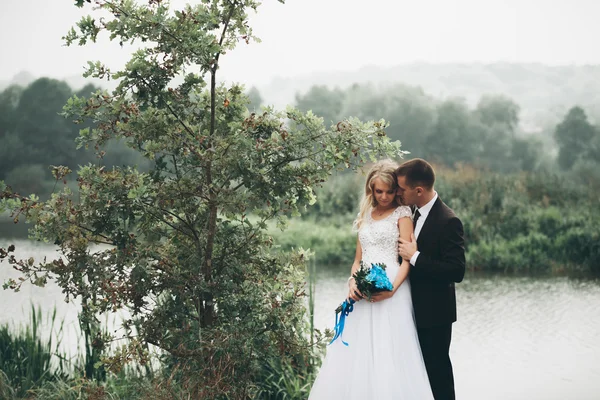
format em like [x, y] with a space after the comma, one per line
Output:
[384, 170]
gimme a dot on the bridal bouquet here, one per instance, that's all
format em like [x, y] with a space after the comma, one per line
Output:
[368, 281]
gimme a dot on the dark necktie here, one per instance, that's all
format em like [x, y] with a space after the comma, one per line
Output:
[416, 218]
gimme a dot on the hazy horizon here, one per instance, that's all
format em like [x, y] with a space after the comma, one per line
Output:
[342, 35]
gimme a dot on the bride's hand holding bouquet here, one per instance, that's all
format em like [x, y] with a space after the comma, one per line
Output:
[365, 283]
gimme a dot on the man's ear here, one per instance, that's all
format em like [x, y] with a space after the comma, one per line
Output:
[419, 190]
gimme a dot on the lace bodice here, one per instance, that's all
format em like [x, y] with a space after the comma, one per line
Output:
[379, 238]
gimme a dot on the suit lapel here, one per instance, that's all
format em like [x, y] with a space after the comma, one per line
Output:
[429, 223]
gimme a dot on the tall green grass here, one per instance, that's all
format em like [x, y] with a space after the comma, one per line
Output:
[35, 368]
[26, 359]
[33, 365]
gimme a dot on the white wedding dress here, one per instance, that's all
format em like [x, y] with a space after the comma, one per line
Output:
[383, 359]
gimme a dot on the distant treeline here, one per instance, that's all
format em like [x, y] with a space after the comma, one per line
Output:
[544, 93]
[34, 136]
[448, 132]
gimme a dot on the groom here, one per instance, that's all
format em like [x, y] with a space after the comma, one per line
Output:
[437, 258]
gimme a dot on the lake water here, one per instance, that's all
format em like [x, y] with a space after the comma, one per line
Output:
[515, 338]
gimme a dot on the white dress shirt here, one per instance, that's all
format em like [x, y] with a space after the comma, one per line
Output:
[424, 211]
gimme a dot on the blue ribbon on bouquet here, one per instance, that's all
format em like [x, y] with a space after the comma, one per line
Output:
[347, 307]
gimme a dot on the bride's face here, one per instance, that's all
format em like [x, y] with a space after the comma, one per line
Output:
[384, 194]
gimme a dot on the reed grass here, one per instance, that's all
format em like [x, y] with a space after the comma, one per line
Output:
[26, 360]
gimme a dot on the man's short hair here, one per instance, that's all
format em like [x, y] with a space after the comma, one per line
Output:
[417, 172]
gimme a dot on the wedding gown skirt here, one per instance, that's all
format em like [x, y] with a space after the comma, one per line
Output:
[383, 359]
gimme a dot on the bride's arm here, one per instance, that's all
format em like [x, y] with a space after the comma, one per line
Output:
[405, 227]
[353, 292]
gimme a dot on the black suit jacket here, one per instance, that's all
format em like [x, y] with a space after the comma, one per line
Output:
[440, 264]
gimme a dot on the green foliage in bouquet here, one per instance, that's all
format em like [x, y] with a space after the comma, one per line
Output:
[360, 277]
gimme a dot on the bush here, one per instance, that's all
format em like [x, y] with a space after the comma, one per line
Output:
[581, 247]
[332, 240]
[338, 197]
[514, 222]
[27, 179]
[283, 381]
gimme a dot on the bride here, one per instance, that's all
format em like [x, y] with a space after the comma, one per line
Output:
[383, 359]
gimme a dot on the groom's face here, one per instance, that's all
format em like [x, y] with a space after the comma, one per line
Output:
[405, 194]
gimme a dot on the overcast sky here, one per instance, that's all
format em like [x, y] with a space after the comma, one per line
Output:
[304, 36]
